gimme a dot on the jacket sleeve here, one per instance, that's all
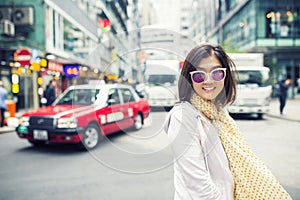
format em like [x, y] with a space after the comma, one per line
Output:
[192, 179]
[52, 95]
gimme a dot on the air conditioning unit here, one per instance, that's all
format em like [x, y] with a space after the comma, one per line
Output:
[23, 15]
[8, 28]
[5, 13]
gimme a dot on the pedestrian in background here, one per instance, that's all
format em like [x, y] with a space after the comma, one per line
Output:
[212, 159]
[3, 107]
[283, 93]
[50, 92]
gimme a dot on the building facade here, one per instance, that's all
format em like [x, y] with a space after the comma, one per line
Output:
[165, 29]
[70, 41]
[269, 27]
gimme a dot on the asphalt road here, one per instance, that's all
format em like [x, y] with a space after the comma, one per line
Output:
[130, 165]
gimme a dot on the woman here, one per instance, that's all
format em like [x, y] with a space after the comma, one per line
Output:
[212, 160]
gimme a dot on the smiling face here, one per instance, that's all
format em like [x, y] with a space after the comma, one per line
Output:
[209, 89]
[206, 58]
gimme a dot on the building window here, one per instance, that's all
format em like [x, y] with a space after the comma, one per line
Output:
[282, 23]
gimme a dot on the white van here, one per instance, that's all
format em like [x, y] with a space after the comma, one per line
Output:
[161, 79]
[253, 89]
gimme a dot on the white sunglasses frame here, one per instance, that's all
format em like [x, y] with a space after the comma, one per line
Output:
[210, 74]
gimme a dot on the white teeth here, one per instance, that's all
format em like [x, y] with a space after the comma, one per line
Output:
[211, 88]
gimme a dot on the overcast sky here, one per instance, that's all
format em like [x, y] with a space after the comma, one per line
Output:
[168, 13]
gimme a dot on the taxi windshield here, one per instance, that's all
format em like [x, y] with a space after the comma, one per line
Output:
[79, 97]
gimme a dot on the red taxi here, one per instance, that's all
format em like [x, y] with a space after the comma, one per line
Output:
[84, 114]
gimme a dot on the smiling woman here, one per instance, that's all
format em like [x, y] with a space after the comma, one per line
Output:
[212, 159]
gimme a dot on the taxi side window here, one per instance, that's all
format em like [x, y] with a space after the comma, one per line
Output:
[127, 95]
[113, 97]
[84, 97]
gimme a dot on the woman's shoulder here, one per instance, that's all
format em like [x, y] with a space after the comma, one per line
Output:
[181, 113]
[187, 110]
[184, 105]
[184, 108]
[184, 114]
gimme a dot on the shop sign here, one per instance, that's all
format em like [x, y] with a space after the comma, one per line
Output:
[36, 66]
[15, 88]
[43, 62]
[112, 76]
[55, 66]
[72, 70]
[23, 56]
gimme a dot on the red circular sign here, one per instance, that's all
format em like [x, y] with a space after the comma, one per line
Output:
[23, 56]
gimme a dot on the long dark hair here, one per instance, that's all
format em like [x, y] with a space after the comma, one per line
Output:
[192, 60]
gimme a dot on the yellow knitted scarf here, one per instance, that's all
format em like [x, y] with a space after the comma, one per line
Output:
[253, 180]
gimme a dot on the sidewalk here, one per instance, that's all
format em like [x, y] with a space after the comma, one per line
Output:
[7, 129]
[291, 110]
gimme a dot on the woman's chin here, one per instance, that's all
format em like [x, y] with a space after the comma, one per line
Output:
[208, 97]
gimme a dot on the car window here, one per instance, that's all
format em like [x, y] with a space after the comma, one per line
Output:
[127, 95]
[114, 95]
[66, 99]
[79, 96]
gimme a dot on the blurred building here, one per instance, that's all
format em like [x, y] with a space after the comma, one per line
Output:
[72, 41]
[164, 29]
[270, 27]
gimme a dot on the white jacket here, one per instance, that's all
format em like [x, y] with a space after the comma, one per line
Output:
[201, 169]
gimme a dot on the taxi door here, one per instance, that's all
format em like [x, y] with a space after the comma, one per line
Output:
[130, 106]
[112, 114]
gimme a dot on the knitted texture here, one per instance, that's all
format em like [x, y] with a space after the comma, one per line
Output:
[253, 180]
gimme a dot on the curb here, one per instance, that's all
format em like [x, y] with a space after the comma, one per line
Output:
[283, 118]
[7, 130]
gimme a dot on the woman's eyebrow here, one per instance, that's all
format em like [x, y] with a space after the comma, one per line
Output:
[205, 68]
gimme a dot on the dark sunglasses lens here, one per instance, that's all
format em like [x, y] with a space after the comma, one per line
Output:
[218, 75]
[198, 77]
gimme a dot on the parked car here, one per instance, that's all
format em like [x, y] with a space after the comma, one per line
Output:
[84, 114]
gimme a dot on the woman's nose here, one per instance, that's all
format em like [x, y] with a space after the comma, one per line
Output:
[208, 79]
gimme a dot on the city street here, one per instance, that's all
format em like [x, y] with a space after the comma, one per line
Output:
[131, 165]
[72, 69]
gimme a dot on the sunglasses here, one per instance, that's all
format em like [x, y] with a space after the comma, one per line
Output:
[201, 76]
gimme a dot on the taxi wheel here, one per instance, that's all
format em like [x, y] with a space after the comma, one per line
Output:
[91, 136]
[138, 122]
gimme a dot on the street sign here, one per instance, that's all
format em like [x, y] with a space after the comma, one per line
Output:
[23, 56]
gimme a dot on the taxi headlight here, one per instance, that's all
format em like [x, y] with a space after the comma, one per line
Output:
[66, 123]
[24, 121]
